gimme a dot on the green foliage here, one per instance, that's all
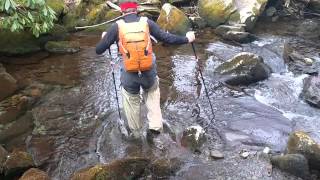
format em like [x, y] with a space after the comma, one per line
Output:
[33, 15]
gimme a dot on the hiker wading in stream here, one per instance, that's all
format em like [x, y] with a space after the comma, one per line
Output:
[138, 67]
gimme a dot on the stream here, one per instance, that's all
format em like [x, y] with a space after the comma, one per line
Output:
[76, 119]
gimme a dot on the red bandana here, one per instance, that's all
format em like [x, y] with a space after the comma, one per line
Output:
[128, 5]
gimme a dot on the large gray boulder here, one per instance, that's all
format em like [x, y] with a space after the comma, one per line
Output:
[247, 12]
[216, 12]
[244, 69]
[173, 20]
[301, 143]
[311, 91]
[8, 83]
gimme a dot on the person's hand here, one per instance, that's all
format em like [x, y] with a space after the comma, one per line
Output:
[191, 37]
[103, 34]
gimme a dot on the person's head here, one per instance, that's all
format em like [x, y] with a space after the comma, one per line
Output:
[128, 6]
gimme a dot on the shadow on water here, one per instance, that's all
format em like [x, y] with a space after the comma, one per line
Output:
[76, 121]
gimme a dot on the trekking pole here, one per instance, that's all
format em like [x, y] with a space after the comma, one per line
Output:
[123, 130]
[204, 84]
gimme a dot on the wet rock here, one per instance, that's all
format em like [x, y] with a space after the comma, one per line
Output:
[198, 22]
[18, 43]
[173, 20]
[164, 168]
[62, 46]
[314, 5]
[301, 55]
[223, 29]
[131, 168]
[309, 29]
[34, 174]
[247, 12]
[17, 162]
[301, 143]
[8, 83]
[215, 12]
[215, 154]
[193, 138]
[271, 11]
[241, 37]
[295, 164]
[266, 150]
[244, 69]
[311, 91]
[13, 107]
[3, 157]
[18, 127]
[26, 59]
[41, 148]
[151, 12]
[244, 154]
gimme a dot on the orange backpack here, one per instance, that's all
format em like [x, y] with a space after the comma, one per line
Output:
[135, 45]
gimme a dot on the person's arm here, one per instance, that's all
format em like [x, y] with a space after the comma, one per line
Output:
[166, 37]
[108, 39]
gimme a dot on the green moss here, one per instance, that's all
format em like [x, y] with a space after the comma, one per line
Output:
[57, 5]
[215, 11]
[14, 43]
[175, 22]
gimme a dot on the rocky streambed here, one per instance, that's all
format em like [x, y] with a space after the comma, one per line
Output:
[63, 111]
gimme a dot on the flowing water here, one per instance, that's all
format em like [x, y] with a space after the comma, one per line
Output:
[76, 121]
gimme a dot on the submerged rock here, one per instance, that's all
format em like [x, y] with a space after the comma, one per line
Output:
[17, 162]
[13, 107]
[193, 138]
[173, 20]
[301, 143]
[295, 164]
[311, 91]
[8, 83]
[128, 168]
[244, 69]
[164, 168]
[216, 12]
[34, 174]
[62, 46]
[22, 125]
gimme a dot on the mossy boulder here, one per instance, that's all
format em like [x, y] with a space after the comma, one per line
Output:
[295, 164]
[34, 174]
[216, 12]
[247, 12]
[173, 20]
[127, 168]
[62, 46]
[17, 162]
[18, 43]
[301, 143]
[244, 69]
[164, 168]
[57, 5]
